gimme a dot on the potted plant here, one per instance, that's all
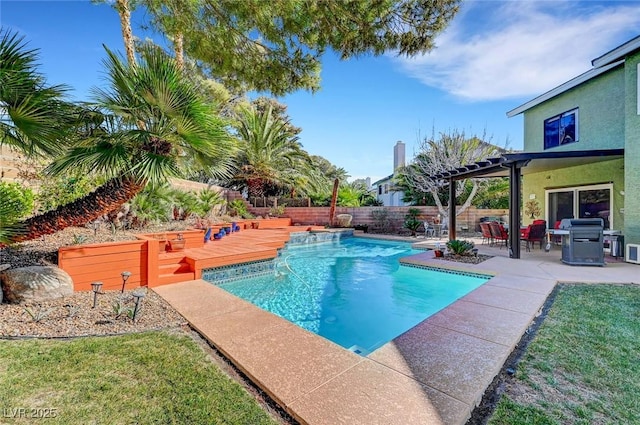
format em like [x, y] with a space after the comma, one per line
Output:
[178, 243]
[438, 252]
[363, 227]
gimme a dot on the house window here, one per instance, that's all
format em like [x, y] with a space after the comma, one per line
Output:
[580, 202]
[386, 188]
[561, 129]
[380, 190]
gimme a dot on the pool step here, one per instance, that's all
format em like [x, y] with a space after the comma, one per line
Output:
[175, 272]
[173, 268]
[165, 279]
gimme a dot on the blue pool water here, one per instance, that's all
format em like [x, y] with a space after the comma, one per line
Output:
[353, 292]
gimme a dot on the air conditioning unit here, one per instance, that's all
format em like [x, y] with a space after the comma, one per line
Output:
[632, 253]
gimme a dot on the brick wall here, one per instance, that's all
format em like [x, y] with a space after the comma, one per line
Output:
[395, 215]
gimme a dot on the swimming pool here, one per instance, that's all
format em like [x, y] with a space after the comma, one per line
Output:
[354, 291]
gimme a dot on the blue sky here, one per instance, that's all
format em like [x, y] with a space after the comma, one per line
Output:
[494, 56]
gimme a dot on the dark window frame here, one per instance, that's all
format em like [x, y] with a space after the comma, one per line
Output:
[561, 129]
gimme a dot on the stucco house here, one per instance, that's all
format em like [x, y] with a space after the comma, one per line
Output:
[581, 154]
[594, 112]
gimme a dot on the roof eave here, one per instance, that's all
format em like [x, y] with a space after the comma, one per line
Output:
[618, 53]
[580, 79]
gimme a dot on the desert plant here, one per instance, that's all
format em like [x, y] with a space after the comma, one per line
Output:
[411, 221]
[381, 219]
[277, 211]
[207, 201]
[150, 205]
[72, 310]
[121, 308]
[78, 239]
[240, 208]
[460, 247]
[40, 314]
[184, 204]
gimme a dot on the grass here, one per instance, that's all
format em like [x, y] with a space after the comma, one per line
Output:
[583, 366]
[147, 378]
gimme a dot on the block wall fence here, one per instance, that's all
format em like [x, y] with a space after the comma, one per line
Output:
[469, 219]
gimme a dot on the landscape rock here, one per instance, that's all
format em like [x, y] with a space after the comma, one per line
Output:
[35, 283]
[344, 220]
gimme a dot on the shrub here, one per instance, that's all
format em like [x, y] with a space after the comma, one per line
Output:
[207, 201]
[277, 211]
[411, 221]
[20, 198]
[60, 190]
[240, 208]
[381, 219]
[459, 247]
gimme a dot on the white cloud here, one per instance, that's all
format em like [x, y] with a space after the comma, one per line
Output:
[508, 49]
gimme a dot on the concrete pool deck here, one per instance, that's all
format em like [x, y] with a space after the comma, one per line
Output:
[435, 373]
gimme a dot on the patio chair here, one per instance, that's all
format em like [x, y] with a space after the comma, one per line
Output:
[444, 231]
[499, 233]
[429, 230]
[486, 233]
[535, 233]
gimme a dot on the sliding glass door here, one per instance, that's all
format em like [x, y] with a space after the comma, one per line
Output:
[580, 202]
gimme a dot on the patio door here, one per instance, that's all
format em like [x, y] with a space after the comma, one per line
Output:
[580, 202]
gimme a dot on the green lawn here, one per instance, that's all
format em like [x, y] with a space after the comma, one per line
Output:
[583, 366]
[148, 378]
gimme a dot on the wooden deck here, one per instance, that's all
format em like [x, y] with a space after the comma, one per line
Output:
[152, 262]
[237, 248]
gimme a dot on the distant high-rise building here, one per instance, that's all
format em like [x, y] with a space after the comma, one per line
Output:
[398, 155]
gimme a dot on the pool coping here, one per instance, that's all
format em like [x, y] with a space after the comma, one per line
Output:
[435, 373]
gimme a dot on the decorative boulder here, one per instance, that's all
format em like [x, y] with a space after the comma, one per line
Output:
[3, 267]
[344, 220]
[35, 283]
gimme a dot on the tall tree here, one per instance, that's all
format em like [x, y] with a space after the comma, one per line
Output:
[276, 45]
[124, 10]
[270, 154]
[150, 120]
[451, 150]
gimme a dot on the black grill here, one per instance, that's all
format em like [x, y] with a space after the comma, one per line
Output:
[584, 245]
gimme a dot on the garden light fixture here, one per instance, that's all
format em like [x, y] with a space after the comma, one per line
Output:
[125, 276]
[96, 287]
[138, 295]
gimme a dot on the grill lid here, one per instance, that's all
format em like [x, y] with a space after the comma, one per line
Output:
[568, 223]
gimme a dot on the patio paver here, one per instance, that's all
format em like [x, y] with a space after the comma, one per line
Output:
[435, 373]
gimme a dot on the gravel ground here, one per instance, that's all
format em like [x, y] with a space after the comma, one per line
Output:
[74, 315]
[469, 259]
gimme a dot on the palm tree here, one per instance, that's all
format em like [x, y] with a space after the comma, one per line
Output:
[270, 153]
[34, 117]
[149, 121]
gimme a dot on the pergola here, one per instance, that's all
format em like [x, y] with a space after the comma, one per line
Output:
[514, 165]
